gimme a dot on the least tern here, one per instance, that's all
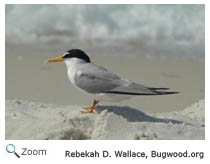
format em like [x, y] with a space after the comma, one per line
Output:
[97, 80]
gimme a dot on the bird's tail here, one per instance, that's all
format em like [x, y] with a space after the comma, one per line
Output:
[165, 93]
[136, 89]
[143, 94]
[154, 89]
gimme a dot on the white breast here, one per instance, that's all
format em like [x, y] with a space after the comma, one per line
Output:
[73, 65]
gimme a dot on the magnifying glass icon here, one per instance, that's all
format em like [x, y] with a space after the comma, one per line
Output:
[11, 149]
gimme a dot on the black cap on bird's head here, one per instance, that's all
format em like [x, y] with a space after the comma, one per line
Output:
[76, 53]
[73, 53]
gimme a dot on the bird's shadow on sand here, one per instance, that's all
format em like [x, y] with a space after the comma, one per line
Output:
[134, 115]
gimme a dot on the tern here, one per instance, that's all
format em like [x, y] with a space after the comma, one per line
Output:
[94, 79]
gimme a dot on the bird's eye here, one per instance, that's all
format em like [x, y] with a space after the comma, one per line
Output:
[66, 55]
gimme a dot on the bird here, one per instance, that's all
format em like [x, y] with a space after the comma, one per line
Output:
[97, 80]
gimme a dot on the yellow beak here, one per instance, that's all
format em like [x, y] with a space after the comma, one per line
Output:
[58, 59]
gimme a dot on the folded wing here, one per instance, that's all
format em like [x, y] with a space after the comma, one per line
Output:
[96, 79]
[136, 89]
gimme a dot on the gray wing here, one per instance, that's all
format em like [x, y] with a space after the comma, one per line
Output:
[96, 79]
[137, 89]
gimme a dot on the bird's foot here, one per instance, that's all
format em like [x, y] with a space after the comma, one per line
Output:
[91, 108]
[88, 110]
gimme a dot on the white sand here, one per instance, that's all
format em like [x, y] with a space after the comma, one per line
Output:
[33, 120]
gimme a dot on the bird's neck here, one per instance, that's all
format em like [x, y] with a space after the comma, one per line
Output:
[72, 67]
[73, 63]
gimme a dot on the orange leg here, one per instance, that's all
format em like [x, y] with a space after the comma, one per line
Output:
[91, 108]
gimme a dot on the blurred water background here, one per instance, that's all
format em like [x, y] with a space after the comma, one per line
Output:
[161, 31]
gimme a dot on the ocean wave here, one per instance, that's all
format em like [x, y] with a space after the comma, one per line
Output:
[159, 26]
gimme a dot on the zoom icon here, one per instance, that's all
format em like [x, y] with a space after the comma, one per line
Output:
[10, 148]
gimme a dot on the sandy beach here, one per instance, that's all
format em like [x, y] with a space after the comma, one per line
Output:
[65, 122]
[29, 78]
[40, 98]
